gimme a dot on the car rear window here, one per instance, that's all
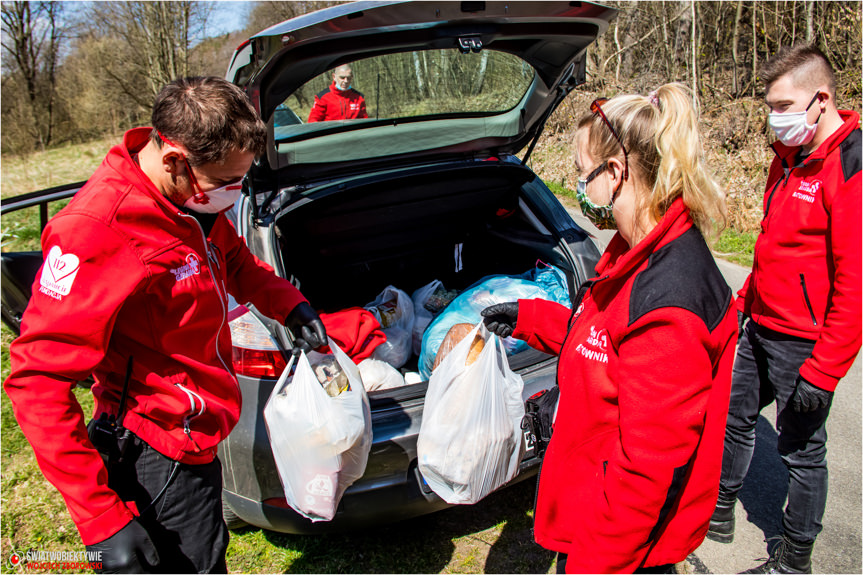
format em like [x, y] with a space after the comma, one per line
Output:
[408, 86]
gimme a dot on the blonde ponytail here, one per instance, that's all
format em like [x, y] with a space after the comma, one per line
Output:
[682, 170]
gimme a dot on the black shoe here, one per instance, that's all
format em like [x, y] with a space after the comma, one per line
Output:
[721, 527]
[788, 557]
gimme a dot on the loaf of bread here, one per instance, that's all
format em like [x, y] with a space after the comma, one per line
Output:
[455, 334]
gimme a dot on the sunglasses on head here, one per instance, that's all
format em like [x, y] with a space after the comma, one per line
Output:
[596, 109]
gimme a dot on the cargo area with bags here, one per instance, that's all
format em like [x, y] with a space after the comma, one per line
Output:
[407, 274]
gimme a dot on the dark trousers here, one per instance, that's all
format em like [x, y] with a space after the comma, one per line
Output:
[185, 522]
[766, 370]
[561, 566]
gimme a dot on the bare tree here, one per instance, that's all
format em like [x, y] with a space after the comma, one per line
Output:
[158, 38]
[32, 34]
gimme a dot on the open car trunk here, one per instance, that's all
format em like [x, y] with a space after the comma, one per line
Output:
[456, 225]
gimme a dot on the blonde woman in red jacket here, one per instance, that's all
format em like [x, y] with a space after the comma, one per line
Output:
[630, 477]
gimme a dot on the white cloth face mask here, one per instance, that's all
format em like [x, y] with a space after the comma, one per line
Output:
[791, 127]
[215, 200]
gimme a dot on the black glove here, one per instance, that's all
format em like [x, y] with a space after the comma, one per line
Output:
[741, 323]
[308, 329]
[500, 318]
[808, 397]
[129, 550]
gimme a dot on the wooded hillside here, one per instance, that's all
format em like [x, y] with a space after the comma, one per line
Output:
[72, 72]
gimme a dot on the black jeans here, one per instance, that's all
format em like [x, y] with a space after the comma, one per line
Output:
[765, 370]
[185, 522]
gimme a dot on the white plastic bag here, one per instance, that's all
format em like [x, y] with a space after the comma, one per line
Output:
[394, 310]
[320, 443]
[422, 316]
[470, 440]
[379, 374]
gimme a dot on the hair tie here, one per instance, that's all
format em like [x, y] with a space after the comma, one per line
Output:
[653, 99]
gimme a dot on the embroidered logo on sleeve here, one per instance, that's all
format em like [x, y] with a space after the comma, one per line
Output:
[58, 273]
[192, 267]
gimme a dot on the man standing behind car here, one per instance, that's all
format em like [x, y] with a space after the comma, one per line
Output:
[340, 101]
[802, 299]
[134, 291]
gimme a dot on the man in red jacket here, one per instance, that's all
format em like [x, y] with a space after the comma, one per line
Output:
[133, 290]
[340, 101]
[802, 299]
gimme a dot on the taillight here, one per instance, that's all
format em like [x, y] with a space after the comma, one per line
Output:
[253, 351]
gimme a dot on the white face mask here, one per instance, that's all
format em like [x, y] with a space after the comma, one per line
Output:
[215, 200]
[791, 127]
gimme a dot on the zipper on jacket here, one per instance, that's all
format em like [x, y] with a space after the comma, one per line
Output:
[806, 297]
[223, 293]
[192, 415]
[585, 287]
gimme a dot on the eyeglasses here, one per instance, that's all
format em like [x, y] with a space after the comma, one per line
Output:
[595, 108]
[592, 175]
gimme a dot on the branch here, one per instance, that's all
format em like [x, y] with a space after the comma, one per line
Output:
[643, 38]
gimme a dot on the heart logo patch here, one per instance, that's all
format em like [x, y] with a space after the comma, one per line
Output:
[59, 271]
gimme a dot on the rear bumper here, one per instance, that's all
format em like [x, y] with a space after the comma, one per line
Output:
[391, 489]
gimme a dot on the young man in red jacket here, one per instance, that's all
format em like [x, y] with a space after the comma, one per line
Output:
[134, 291]
[340, 101]
[802, 299]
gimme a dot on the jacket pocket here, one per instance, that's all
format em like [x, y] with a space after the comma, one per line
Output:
[806, 299]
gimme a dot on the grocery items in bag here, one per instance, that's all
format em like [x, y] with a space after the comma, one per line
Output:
[394, 310]
[457, 333]
[320, 442]
[429, 301]
[333, 379]
[542, 282]
[470, 440]
[379, 375]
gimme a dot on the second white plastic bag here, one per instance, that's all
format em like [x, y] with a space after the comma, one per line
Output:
[320, 443]
[470, 441]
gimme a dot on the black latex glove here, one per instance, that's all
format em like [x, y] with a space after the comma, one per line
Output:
[808, 397]
[741, 323]
[308, 329]
[129, 550]
[500, 318]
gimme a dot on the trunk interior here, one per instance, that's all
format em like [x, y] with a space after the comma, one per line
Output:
[456, 226]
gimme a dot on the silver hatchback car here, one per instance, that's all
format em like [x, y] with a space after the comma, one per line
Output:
[422, 184]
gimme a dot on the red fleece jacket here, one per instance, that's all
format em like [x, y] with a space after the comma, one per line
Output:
[127, 274]
[631, 474]
[806, 279]
[335, 104]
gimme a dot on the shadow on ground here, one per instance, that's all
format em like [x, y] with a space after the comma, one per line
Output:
[766, 485]
[460, 539]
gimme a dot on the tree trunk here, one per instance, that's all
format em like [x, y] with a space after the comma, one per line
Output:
[754, 46]
[480, 77]
[419, 74]
[810, 20]
[734, 42]
[693, 46]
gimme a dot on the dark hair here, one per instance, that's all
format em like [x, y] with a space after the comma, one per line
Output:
[806, 63]
[210, 117]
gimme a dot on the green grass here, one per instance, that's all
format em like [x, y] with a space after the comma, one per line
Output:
[737, 247]
[561, 191]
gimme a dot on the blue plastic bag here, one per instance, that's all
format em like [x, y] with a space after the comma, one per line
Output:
[543, 282]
